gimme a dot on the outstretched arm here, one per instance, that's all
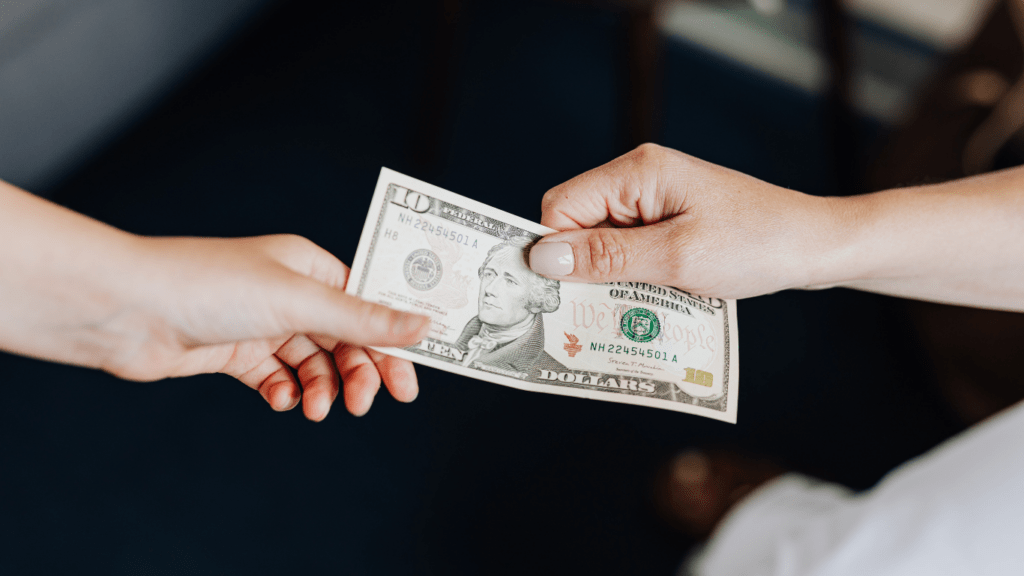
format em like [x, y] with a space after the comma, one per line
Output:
[961, 242]
[270, 311]
[661, 216]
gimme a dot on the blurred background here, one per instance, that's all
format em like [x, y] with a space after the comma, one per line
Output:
[244, 117]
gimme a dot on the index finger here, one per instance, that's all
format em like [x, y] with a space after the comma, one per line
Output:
[624, 192]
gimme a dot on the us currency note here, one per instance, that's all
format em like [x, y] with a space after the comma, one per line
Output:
[464, 264]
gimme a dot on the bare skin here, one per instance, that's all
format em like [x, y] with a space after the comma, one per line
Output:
[76, 291]
[657, 215]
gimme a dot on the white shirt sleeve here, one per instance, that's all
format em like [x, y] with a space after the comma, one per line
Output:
[959, 510]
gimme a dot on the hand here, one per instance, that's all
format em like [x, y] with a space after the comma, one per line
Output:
[77, 291]
[660, 216]
[256, 309]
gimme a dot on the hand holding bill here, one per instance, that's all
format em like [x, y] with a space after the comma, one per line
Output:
[660, 216]
[80, 292]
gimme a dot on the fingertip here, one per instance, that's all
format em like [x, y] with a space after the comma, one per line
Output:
[414, 396]
[399, 376]
[315, 404]
[404, 386]
[406, 394]
[284, 396]
[358, 409]
[317, 414]
[358, 399]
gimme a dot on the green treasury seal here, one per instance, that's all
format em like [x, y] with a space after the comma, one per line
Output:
[640, 325]
[422, 269]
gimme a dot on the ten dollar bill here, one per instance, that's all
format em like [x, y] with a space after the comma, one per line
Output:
[464, 264]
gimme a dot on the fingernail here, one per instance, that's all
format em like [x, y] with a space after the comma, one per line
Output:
[552, 259]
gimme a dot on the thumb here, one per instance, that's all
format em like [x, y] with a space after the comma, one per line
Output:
[327, 311]
[641, 254]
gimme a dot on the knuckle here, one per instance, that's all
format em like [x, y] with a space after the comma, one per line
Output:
[552, 198]
[285, 245]
[607, 253]
[368, 317]
[303, 256]
[643, 173]
[648, 153]
[295, 242]
[548, 198]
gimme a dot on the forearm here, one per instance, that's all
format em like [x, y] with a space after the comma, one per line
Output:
[961, 242]
[60, 274]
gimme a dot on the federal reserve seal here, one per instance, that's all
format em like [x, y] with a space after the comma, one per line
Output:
[422, 269]
[640, 325]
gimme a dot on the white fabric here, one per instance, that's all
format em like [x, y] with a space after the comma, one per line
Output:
[956, 510]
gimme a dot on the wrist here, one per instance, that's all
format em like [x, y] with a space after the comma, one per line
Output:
[833, 250]
[869, 238]
[75, 306]
[99, 310]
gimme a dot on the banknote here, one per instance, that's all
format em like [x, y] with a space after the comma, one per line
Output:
[464, 264]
